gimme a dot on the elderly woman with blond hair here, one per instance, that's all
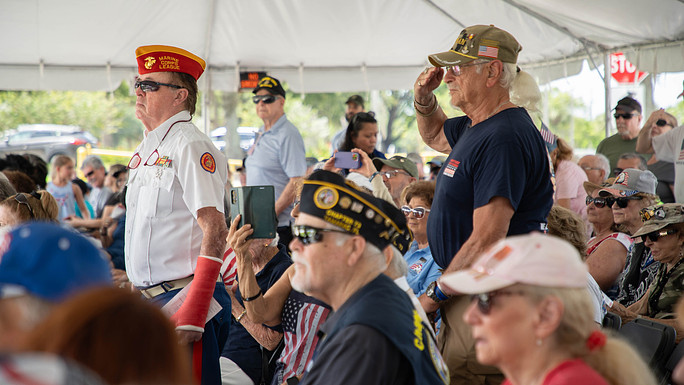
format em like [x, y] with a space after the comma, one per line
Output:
[531, 317]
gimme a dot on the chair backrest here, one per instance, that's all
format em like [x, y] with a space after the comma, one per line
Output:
[675, 357]
[654, 341]
[612, 321]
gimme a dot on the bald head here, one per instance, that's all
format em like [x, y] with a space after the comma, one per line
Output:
[596, 167]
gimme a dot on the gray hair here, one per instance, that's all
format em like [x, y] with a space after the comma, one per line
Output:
[603, 162]
[398, 266]
[93, 161]
[6, 187]
[634, 155]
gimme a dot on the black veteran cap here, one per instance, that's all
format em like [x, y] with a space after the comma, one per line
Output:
[329, 196]
[270, 84]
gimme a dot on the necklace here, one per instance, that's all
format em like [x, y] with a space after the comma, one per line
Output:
[496, 110]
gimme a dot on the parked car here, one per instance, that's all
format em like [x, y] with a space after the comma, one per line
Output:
[46, 140]
[246, 134]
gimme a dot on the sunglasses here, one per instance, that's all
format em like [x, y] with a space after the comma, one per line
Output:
[457, 70]
[486, 300]
[622, 202]
[623, 116]
[662, 123]
[267, 99]
[654, 236]
[88, 175]
[21, 198]
[599, 202]
[308, 235]
[418, 212]
[150, 86]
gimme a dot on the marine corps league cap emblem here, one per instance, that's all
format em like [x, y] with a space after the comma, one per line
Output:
[149, 62]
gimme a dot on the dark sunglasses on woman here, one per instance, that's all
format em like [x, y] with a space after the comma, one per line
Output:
[599, 202]
[622, 202]
[656, 235]
[485, 300]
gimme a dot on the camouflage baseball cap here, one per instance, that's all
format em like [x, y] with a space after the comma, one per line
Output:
[479, 42]
[657, 217]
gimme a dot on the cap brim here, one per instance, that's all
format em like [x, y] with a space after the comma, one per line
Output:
[473, 282]
[449, 58]
[618, 190]
[649, 228]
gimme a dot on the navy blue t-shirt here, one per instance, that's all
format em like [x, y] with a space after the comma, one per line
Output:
[241, 347]
[502, 156]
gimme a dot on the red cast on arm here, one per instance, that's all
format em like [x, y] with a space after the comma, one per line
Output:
[193, 312]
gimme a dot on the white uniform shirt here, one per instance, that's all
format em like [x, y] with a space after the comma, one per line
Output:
[669, 147]
[163, 237]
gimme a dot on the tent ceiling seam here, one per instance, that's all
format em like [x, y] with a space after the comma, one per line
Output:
[445, 13]
[551, 23]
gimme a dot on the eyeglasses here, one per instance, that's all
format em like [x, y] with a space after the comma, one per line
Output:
[150, 86]
[623, 116]
[622, 202]
[21, 198]
[393, 173]
[154, 156]
[587, 168]
[308, 234]
[654, 236]
[599, 202]
[418, 212]
[456, 70]
[267, 99]
[485, 300]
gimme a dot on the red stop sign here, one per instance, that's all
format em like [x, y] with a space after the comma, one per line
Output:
[623, 71]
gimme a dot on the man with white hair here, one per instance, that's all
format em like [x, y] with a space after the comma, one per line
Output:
[596, 167]
[495, 181]
[342, 244]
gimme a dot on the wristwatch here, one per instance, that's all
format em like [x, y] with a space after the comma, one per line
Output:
[433, 291]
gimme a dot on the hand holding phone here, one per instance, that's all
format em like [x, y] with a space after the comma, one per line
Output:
[347, 160]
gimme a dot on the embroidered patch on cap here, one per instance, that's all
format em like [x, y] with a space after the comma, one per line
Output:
[325, 198]
[208, 163]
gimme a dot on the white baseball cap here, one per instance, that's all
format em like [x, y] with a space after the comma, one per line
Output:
[533, 259]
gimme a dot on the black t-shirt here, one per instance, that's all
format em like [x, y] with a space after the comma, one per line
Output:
[502, 156]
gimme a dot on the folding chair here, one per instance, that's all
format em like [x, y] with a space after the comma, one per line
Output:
[654, 341]
[612, 321]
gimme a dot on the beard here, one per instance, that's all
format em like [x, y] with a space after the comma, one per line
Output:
[298, 281]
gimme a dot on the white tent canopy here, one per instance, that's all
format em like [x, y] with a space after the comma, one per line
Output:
[320, 45]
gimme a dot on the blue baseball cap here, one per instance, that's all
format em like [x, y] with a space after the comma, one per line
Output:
[50, 262]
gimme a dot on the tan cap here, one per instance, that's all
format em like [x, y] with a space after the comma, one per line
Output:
[479, 42]
[658, 216]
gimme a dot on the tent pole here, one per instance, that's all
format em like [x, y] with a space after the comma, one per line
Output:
[606, 87]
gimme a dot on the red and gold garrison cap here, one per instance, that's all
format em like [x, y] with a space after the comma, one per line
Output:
[165, 58]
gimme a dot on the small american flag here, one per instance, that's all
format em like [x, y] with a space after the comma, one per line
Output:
[549, 137]
[488, 51]
[229, 268]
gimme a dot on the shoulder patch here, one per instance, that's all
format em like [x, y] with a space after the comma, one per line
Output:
[208, 163]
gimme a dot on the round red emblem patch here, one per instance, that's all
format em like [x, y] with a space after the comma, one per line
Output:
[208, 163]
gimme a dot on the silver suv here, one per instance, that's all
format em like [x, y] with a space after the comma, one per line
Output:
[46, 140]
